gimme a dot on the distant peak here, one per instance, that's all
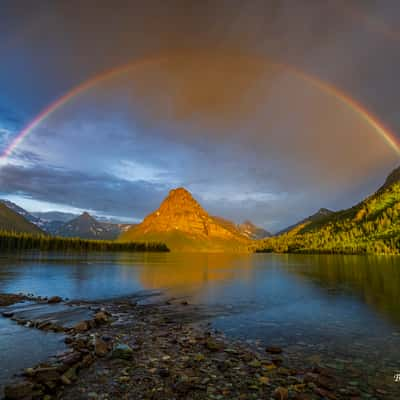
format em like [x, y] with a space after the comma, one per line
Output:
[392, 178]
[324, 211]
[86, 215]
[248, 222]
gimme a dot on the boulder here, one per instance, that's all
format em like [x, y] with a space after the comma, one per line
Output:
[45, 375]
[281, 393]
[81, 326]
[20, 390]
[54, 299]
[213, 345]
[71, 358]
[273, 350]
[70, 375]
[101, 347]
[101, 317]
[87, 360]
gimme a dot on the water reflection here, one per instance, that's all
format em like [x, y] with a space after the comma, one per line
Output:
[374, 279]
[182, 274]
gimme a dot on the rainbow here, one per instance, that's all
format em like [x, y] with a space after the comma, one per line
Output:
[387, 135]
[61, 101]
[345, 99]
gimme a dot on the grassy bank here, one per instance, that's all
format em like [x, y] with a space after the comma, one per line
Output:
[12, 241]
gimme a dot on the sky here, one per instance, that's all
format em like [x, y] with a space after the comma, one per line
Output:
[228, 99]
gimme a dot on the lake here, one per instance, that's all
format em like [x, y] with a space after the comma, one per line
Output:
[342, 312]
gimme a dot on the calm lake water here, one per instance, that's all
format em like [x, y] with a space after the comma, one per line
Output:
[338, 311]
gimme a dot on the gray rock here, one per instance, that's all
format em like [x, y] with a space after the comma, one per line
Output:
[122, 351]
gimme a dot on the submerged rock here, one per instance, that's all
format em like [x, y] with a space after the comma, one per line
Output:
[7, 314]
[122, 351]
[54, 299]
[273, 350]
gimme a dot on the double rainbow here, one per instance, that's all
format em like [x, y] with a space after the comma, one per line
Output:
[349, 102]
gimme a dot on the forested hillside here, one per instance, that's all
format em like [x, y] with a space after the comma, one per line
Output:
[12, 221]
[372, 226]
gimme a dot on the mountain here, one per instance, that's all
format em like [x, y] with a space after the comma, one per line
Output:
[183, 225]
[12, 221]
[371, 226]
[68, 225]
[86, 227]
[54, 216]
[47, 225]
[14, 207]
[319, 216]
[247, 228]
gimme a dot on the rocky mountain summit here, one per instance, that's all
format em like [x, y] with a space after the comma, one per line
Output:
[183, 224]
[87, 227]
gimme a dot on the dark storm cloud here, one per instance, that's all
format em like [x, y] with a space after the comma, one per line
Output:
[88, 37]
[101, 193]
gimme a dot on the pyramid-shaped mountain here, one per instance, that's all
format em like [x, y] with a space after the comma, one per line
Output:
[184, 225]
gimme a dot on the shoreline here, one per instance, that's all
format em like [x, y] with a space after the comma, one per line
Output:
[164, 349]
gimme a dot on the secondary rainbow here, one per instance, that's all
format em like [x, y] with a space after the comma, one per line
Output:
[359, 109]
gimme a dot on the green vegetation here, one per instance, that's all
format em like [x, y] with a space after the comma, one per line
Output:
[11, 241]
[371, 227]
[12, 221]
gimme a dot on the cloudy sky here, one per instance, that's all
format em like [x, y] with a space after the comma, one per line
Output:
[225, 98]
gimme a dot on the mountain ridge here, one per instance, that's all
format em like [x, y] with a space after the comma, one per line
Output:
[320, 215]
[371, 226]
[12, 221]
[62, 226]
[87, 227]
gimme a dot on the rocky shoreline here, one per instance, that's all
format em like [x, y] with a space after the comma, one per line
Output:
[162, 349]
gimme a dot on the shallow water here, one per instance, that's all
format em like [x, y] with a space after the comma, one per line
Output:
[22, 348]
[340, 311]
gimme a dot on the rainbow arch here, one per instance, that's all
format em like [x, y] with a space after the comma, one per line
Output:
[326, 87]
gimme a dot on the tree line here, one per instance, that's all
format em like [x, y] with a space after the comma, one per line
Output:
[12, 241]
